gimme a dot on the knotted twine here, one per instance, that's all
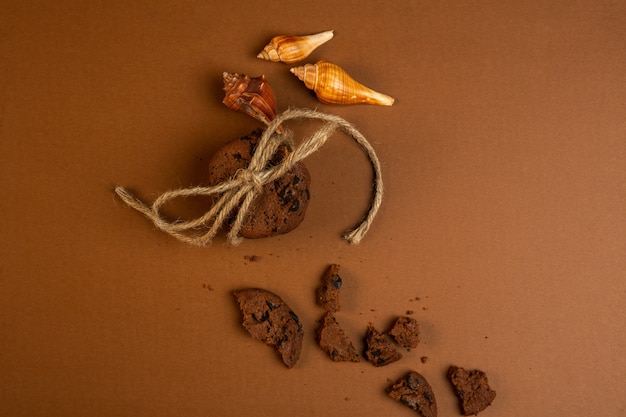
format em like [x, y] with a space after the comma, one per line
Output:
[246, 184]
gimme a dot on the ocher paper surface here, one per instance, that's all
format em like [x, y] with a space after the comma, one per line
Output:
[502, 227]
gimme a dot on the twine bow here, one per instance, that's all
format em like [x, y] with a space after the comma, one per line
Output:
[248, 183]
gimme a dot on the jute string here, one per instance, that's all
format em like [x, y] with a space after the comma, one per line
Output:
[248, 183]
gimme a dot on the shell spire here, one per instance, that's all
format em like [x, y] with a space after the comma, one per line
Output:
[290, 49]
[252, 96]
[333, 85]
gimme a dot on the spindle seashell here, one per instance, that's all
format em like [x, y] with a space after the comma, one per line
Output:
[290, 49]
[252, 96]
[333, 85]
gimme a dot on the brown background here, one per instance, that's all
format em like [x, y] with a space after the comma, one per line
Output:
[504, 213]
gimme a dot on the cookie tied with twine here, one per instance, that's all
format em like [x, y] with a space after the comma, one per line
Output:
[237, 194]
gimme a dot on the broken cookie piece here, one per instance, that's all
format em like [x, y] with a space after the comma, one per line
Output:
[328, 292]
[333, 340]
[472, 389]
[406, 332]
[269, 319]
[379, 348]
[415, 392]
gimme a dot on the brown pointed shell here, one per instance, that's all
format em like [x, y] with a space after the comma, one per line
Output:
[252, 96]
[290, 49]
[333, 85]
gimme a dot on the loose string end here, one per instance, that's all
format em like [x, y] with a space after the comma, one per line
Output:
[131, 201]
[355, 236]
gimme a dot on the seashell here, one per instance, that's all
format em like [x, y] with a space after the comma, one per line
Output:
[252, 96]
[333, 85]
[290, 49]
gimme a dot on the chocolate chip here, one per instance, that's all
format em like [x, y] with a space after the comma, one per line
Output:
[295, 206]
